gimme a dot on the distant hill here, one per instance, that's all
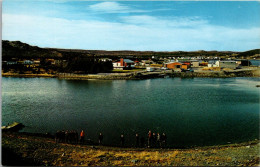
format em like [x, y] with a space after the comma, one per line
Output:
[250, 53]
[17, 49]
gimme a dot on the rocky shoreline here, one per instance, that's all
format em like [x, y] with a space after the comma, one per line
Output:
[42, 150]
[143, 75]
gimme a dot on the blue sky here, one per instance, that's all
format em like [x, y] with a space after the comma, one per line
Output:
[134, 25]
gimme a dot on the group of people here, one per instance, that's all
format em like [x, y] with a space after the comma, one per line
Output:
[66, 136]
[156, 140]
[72, 137]
[153, 140]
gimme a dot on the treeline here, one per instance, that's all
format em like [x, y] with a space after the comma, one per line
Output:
[88, 66]
[80, 65]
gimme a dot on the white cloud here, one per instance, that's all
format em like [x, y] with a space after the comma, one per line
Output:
[161, 22]
[134, 33]
[112, 7]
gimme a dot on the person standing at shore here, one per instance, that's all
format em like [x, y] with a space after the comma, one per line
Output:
[100, 138]
[158, 140]
[136, 140]
[66, 136]
[163, 139]
[122, 139]
[82, 136]
[76, 137]
[149, 138]
[154, 140]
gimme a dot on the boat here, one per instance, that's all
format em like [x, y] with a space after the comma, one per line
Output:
[14, 127]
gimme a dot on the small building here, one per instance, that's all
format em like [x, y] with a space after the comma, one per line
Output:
[176, 65]
[105, 59]
[124, 63]
[184, 66]
[147, 63]
[195, 63]
[150, 69]
[11, 62]
[227, 64]
[28, 62]
[212, 65]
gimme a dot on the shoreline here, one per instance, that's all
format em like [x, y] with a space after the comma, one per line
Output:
[39, 150]
[89, 142]
[143, 75]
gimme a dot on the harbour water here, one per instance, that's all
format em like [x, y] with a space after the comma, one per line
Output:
[198, 111]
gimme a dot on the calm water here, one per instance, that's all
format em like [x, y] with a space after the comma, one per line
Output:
[199, 111]
[255, 62]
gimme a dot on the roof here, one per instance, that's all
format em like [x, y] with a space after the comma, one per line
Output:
[128, 61]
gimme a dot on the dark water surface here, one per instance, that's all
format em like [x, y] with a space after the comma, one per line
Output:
[199, 111]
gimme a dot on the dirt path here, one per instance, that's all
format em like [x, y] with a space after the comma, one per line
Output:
[20, 149]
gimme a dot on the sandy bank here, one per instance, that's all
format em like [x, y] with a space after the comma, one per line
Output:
[36, 150]
[28, 75]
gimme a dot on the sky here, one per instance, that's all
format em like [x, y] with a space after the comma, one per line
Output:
[133, 25]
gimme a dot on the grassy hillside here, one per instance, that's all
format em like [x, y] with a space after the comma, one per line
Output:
[250, 53]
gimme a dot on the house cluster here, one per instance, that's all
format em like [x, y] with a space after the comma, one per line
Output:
[175, 64]
[34, 62]
[41, 65]
[28, 63]
[32, 65]
[123, 64]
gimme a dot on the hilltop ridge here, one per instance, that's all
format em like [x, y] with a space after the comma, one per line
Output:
[19, 49]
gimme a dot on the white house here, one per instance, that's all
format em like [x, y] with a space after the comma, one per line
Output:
[150, 69]
[124, 63]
